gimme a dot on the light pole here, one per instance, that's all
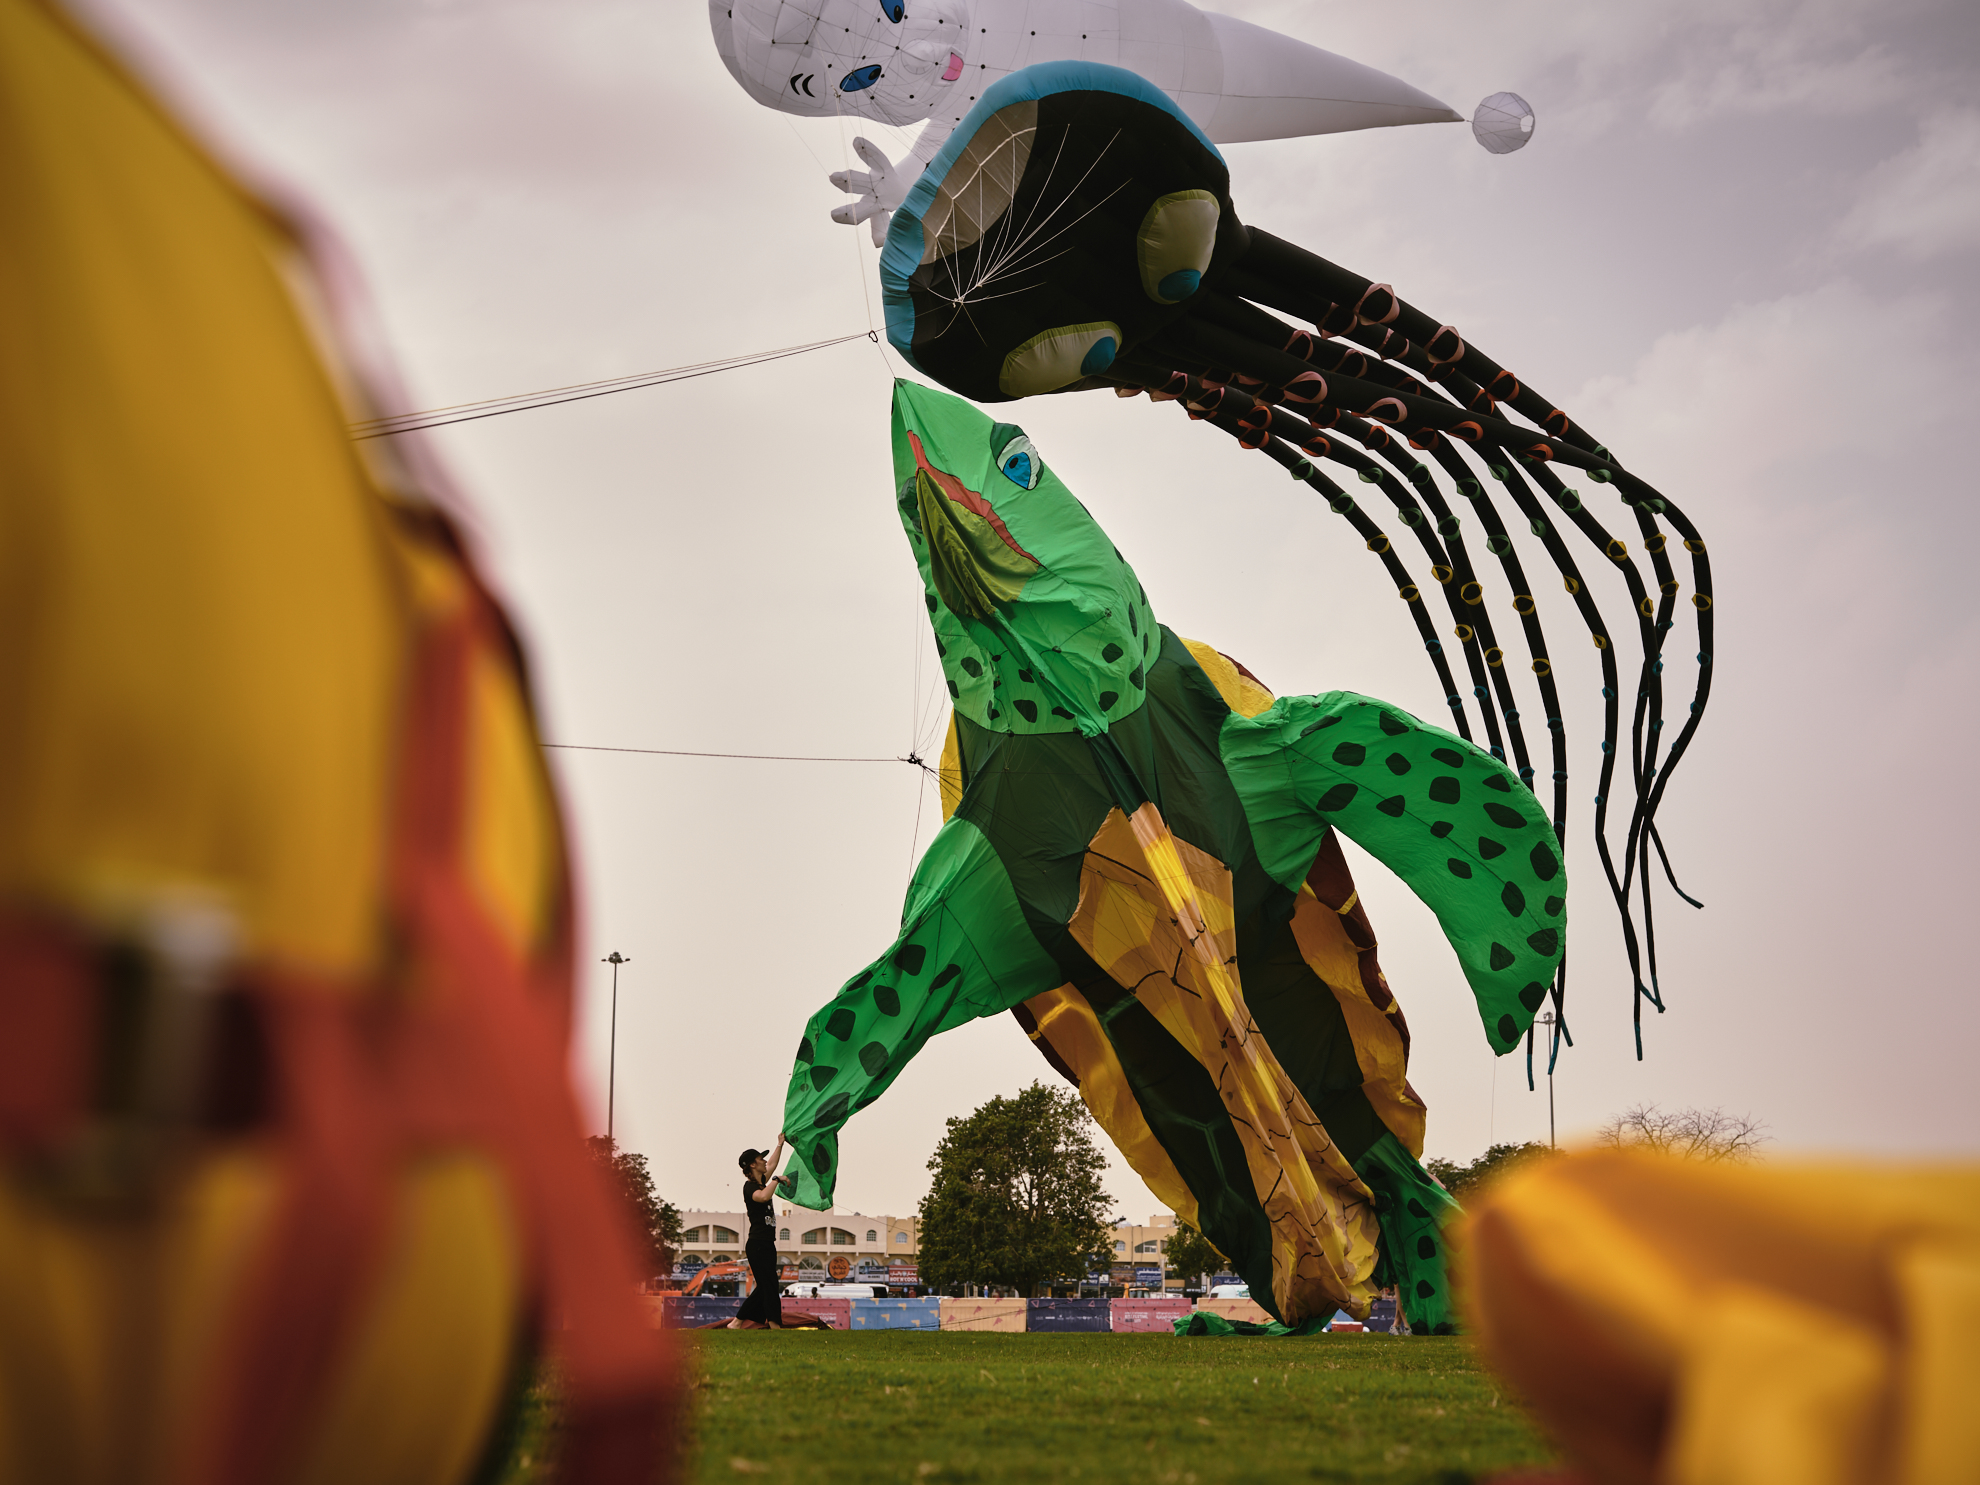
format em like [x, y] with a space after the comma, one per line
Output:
[614, 959]
[1548, 1020]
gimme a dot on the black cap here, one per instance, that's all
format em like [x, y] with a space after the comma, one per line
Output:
[749, 1157]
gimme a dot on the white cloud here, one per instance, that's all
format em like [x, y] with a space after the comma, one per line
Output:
[1926, 200]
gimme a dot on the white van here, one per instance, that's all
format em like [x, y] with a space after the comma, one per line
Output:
[834, 1291]
[1230, 1291]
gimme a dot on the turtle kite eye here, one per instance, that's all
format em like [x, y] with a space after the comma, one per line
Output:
[1020, 462]
[860, 77]
[893, 10]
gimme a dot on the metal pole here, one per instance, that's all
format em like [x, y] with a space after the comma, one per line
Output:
[615, 959]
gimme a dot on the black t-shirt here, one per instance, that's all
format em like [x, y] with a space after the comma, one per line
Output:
[762, 1220]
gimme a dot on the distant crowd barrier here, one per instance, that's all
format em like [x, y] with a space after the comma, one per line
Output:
[983, 1314]
[1146, 1315]
[1235, 1309]
[897, 1314]
[1068, 1315]
[1153, 1316]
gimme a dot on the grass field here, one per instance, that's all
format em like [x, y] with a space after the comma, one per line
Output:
[874, 1406]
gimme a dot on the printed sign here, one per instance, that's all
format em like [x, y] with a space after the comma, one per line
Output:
[903, 1273]
[839, 1268]
[1149, 1276]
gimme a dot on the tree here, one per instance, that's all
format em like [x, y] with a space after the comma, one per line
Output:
[657, 1223]
[1016, 1198]
[1192, 1255]
[1695, 1134]
[1499, 1160]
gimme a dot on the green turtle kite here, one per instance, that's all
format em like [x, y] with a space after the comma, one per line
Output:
[1140, 862]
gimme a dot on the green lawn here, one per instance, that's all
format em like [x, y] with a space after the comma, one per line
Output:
[872, 1406]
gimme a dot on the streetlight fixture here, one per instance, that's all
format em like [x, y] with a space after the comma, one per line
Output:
[615, 959]
[1549, 1020]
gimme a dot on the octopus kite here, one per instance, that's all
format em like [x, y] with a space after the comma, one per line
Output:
[1141, 862]
[1076, 231]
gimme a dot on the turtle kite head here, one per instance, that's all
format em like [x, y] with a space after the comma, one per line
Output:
[1042, 627]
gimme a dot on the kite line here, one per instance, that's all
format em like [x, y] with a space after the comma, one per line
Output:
[495, 407]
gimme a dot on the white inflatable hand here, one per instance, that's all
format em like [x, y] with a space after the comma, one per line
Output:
[880, 188]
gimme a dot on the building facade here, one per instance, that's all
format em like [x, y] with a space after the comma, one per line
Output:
[821, 1245]
[855, 1247]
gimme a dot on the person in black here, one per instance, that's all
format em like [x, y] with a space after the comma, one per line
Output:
[759, 1192]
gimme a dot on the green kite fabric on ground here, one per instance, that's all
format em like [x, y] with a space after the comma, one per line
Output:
[1140, 861]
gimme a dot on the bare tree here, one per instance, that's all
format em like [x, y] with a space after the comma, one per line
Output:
[1695, 1134]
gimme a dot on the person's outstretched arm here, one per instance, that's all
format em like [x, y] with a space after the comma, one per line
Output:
[1452, 821]
[964, 950]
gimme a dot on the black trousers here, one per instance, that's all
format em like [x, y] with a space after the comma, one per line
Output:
[763, 1303]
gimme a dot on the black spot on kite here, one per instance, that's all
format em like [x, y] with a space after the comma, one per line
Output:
[1532, 995]
[1108, 698]
[1459, 868]
[954, 694]
[1059, 711]
[1449, 757]
[931, 603]
[1488, 848]
[995, 714]
[840, 1024]
[911, 957]
[972, 666]
[1393, 806]
[873, 1057]
[1426, 1247]
[945, 976]
[1026, 709]
[1547, 941]
[1025, 676]
[820, 1076]
[1508, 1030]
[1544, 864]
[1554, 906]
[1441, 829]
[1312, 727]
[805, 1054]
[1498, 781]
[887, 1000]
[1417, 1209]
[1424, 1288]
[821, 1159]
[1339, 797]
[1111, 654]
[1444, 790]
[836, 1108]
[1514, 899]
[1350, 755]
[859, 979]
[1504, 815]
[1136, 678]
[1398, 765]
[1391, 725]
[1133, 626]
[1502, 957]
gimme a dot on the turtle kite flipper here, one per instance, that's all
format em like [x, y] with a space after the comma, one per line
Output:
[964, 951]
[1453, 822]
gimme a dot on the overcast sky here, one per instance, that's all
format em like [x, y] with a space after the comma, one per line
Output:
[1740, 249]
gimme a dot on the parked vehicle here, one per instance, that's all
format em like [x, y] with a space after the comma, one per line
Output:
[808, 1290]
[1230, 1291]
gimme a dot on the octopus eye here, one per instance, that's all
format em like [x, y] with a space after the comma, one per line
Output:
[893, 10]
[860, 77]
[1017, 459]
